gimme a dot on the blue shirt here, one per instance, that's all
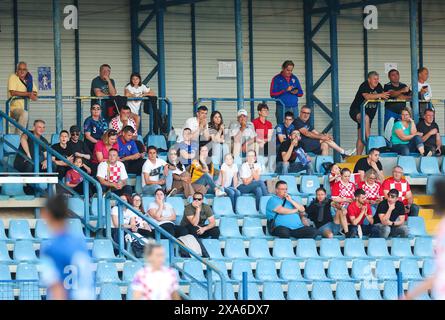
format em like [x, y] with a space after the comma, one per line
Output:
[278, 90]
[65, 259]
[281, 129]
[126, 148]
[291, 221]
[96, 127]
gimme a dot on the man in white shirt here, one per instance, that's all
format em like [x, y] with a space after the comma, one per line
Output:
[112, 175]
[152, 170]
[198, 125]
[425, 92]
[242, 133]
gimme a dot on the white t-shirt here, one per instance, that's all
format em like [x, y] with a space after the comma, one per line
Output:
[153, 169]
[166, 212]
[245, 171]
[115, 173]
[135, 105]
[248, 133]
[191, 123]
[156, 285]
[128, 214]
[229, 173]
[429, 95]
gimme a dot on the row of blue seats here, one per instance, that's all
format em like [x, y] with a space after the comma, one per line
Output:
[427, 166]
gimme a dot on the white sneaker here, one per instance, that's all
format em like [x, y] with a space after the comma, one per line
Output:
[350, 152]
[219, 192]
[359, 231]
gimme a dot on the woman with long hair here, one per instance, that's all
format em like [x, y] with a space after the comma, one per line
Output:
[404, 136]
[216, 130]
[102, 148]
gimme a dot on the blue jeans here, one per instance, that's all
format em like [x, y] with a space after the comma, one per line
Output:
[373, 231]
[218, 152]
[233, 194]
[412, 146]
[294, 167]
[388, 115]
[150, 189]
[169, 180]
[206, 180]
[280, 114]
[256, 187]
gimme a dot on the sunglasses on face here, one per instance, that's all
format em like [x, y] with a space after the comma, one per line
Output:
[75, 134]
[197, 199]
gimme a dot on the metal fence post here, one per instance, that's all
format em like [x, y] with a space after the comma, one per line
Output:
[400, 292]
[244, 283]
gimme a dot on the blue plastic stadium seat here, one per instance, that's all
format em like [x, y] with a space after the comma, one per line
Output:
[221, 265]
[234, 249]
[238, 267]
[291, 181]
[24, 252]
[54, 138]
[401, 248]
[423, 296]
[377, 248]
[253, 228]
[138, 185]
[297, 290]
[390, 291]
[178, 204]
[272, 291]
[158, 141]
[266, 270]
[230, 294]
[416, 226]
[428, 268]
[194, 271]
[213, 247]
[42, 230]
[146, 200]
[410, 270]
[321, 291]
[16, 191]
[6, 287]
[354, 248]
[106, 272]
[283, 248]
[76, 205]
[385, 270]
[19, 230]
[263, 204]
[290, 270]
[369, 292]
[431, 180]
[252, 292]
[429, 165]
[129, 270]
[103, 251]
[3, 236]
[29, 290]
[327, 185]
[319, 160]
[376, 142]
[307, 248]
[27, 271]
[4, 254]
[94, 207]
[245, 205]
[222, 206]
[309, 184]
[338, 270]
[11, 139]
[408, 163]
[229, 228]
[314, 270]
[198, 292]
[259, 249]
[74, 227]
[5, 274]
[110, 291]
[361, 270]
[345, 291]
[330, 248]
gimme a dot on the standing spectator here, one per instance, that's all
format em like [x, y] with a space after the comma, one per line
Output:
[228, 178]
[286, 87]
[428, 130]
[77, 147]
[391, 216]
[312, 140]
[129, 153]
[178, 178]
[217, 136]
[152, 170]
[199, 219]
[371, 89]
[63, 149]
[20, 84]
[358, 211]
[155, 281]
[102, 85]
[283, 130]
[187, 148]
[136, 89]
[402, 186]
[198, 126]
[343, 193]
[243, 134]
[286, 217]
[292, 158]
[94, 127]
[319, 212]
[102, 148]
[404, 136]
[122, 120]
[74, 179]
[397, 91]
[372, 161]
[425, 91]
[250, 178]
[112, 175]
[263, 129]
[373, 189]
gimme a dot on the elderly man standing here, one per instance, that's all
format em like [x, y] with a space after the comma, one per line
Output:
[20, 84]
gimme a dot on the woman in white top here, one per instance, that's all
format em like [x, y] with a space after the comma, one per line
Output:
[164, 213]
[131, 220]
[250, 177]
[228, 179]
[136, 89]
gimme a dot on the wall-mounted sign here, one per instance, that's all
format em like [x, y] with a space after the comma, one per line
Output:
[44, 78]
[227, 69]
[390, 66]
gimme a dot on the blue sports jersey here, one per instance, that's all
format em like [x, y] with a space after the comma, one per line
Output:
[278, 88]
[126, 148]
[281, 129]
[65, 259]
[96, 127]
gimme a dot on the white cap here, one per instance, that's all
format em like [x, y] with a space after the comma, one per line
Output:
[242, 112]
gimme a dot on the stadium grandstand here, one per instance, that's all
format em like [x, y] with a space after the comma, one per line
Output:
[275, 150]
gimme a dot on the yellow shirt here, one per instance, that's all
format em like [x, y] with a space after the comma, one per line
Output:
[15, 84]
[196, 170]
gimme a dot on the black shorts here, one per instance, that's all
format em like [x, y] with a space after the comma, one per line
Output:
[311, 145]
[370, 112]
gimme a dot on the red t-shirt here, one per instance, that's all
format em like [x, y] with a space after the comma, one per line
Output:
[402, 186]
[101, 147]
[374, 192]
[354, 211]
[262, 129]
[343, 191]
[73, 177]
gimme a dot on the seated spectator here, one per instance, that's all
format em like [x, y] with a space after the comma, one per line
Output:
[102, 85]
[404, 136]
[164, 213]
[334, 175]
[228, 178]
[358, 211]
[128, 151]
[263, 129]
[74, 179]
[405, 195]
[179, 178]
[372, 161]
[62, 148]
[343, 193]
[319, 211]
[425, 91]
[136, 89]
[250, 178]
[122, 120]
[187, 148]
[112, 175]
[217, 137]
[291, 158]
[428, 130]
[77, 147]
[391, 216]
[286, 87]
[130, 220]
[199, 219]
[284, 130]
[396, 91]
[144, 228]
[312, 140]
[286, 217]
[94, 127]
[373, 189]
[20, 84]
[202, 172]
[242, 134]
[154, 173]
[102, 148]
[198, 127]
[26, 147]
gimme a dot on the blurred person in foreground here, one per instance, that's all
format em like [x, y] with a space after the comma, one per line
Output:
[436, 282]
[67, 269]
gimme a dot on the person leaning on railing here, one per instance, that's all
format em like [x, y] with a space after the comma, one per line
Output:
[398, 91]
[103, 86]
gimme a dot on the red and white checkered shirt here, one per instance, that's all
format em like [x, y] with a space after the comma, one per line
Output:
[114, 173]
[117, 124]
[374, 192]
[156, 285]
[343, 191]
[402, 186]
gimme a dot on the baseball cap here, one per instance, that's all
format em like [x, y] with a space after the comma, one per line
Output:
[74, 129]
[242, 112]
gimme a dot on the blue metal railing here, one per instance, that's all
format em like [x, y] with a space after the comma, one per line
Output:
[158, 232]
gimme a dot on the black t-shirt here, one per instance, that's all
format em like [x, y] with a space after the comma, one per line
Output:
[312, 212]
[283, 148]
[363, 164]
[422, 127]
[19, 158]
[395, 107]
[383, 209]
[359, 99]
[300, 124]
[80, 147]
[64, 152]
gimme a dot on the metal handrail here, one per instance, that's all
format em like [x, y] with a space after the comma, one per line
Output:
[158, 232]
